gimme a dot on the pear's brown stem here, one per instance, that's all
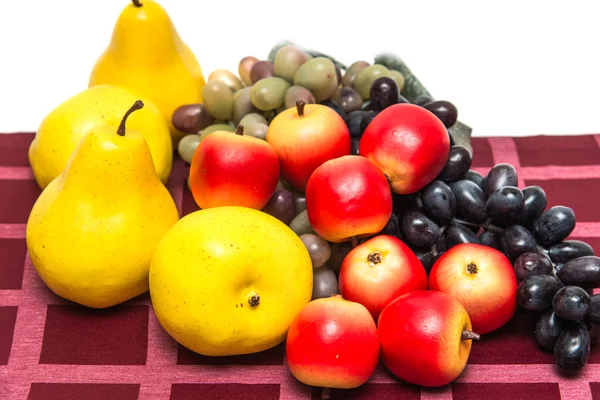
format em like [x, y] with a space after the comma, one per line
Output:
[239, 130]
[136, 3]
[354, 241]
[300, 107]
[469, 335]
[326, 394]
[136, 106]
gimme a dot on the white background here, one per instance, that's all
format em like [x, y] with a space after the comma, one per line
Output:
[511, 67]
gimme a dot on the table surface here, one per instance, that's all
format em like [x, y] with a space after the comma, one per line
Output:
[52, 349]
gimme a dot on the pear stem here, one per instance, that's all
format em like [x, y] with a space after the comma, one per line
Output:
[136, 106]
[300, 107]
[469, 335]
[240, 130]
[136, 3]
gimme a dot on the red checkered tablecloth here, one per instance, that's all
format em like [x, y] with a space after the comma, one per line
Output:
[52, 349]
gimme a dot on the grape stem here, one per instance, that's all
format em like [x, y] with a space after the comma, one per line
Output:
[136, 106]
[326, 394]
[469, 335]
[136, 3]
[486, 225]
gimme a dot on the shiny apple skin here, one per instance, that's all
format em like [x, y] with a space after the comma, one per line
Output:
[332, 343]
[420, 335]
[489, 295]
[233, 170]
[374, 281]
[409, 144]
[304, 142]
[348, 197]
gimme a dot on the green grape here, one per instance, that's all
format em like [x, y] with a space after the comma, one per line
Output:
[251, 118]
[227, 77]
[256, 129]
[366, 77]
[317, 75]
[242, 105]
[287, 61]
[187, 147]
[300, 224]
[268, 93]
[352, 71]
[398, 77]
[245, 67]
[218, 99]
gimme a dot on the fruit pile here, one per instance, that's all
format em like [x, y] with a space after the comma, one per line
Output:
[338, 210]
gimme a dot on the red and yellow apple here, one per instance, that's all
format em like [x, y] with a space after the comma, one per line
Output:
[409, 144]
[306, 136]
[425, 337]
[482, 279]
[348, 198]
[379, 270]
[232, 169]
[332, 343]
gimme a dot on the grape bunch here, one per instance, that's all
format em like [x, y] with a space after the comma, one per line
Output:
[262, 89]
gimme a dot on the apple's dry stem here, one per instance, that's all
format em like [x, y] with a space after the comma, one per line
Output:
[472, 268]
[326, 394]
[374, 258]
[136, 3]
[239, 130]
[136, 106]
[470, 335]
[300, 107]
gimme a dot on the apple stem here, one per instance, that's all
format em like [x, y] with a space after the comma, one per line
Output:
[239, 130]
[326, 394]
[136, 106]
[136, 3]
[470, 335]
[354, 241]
[300, 107]
[254, 300]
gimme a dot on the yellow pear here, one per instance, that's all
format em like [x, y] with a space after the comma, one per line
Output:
[64, 127]
[146, 54]
[93, 231]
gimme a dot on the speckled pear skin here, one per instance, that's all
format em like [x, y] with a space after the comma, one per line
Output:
[92, 232]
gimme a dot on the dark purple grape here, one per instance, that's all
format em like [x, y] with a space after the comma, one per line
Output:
[444, 110]
[338, 253]
[383, 93]
[355, 147]
[536, 292]
[530, 264]
[353, 121]
[419, 230]
[475, 177]
[391, 227]
[457, 234]
[366, 120]
[191, 118]
[534, 199]
[299, 201]
[582, 271]
[571, 303]
[548, 328]
[517, 240]
[318, 249]
[422, 100]
[593, 311]
[554, 225]
[569, 250]
[325, 283]
[499, 176]
[281, 206]
[470, 201]
[457, 165]
[505, 205]
[335, 107]
[439, 202]
[572, 348]
[427, 258]
[593, 330]
[348, 99]
[490, 239]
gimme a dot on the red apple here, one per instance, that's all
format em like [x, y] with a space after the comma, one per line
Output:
[409, 144]
[306, 136]
[482, 279]
[231, 169]
[348, 198]
[379, 270]
[332, 343]
[425, 338]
